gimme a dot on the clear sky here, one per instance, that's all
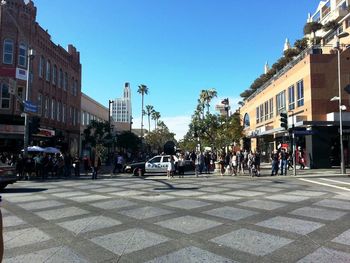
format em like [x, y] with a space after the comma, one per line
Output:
[175, 47]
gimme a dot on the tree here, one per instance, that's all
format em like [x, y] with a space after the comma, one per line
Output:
[301, 44]
[149, 110]
[312, 27]
[128, 141]
[157, 138]
[97, 135]
[330, 25]
[155, 116]
[143, 90]
[206, 96]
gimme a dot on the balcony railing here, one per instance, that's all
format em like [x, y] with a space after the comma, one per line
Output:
[290, 65]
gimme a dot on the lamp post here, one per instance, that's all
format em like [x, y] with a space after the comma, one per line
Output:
[337, 46]
[109, 128]
[30, 56]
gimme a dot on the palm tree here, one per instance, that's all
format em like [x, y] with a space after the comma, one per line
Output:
[155, 117]
[148, 112]
[142, 90]
[206, 96]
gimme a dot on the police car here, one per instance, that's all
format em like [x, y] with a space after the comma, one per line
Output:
[159, 164]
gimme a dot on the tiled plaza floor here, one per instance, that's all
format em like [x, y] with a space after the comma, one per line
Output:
[206, 219]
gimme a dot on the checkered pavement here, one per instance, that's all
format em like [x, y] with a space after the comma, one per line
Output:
[217, 219]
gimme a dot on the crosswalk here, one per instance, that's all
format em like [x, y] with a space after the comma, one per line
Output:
[339, 183]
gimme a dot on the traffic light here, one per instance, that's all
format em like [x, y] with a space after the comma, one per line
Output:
[284, 120]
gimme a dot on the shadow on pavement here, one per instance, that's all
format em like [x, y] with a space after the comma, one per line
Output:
[23, 190]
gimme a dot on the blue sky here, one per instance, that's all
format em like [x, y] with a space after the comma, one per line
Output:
[175, 47]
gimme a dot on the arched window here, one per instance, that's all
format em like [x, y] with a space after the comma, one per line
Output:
[8, 51]
[41, 66]
[4, 96]
[54, 75]
[48, 70]
[22, 55]
[246, 121]
[61, 79]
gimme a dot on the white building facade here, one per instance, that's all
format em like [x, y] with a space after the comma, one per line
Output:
[121, 110]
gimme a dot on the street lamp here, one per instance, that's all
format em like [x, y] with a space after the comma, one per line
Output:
[337, 47]
[109, 129]
[30, 56]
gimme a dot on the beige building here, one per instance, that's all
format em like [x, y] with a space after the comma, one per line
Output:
[303, 89]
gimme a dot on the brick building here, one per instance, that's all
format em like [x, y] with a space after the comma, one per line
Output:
[54, 81]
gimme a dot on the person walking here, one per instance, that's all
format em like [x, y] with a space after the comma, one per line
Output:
[76, 166]
[96, 163]
[181, 165]
[283, 162]
[274, 163]
[171, 168]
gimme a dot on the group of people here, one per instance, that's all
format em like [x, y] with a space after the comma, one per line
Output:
[42, 165]
[234, 163]
[282, 160]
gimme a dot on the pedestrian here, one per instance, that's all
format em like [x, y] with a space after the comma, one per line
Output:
[181, 165]
[19, 166]
[257, 162]
[234, 163]
[283, 161]
[301, 158]
[87, 164]
[274, 163]
[171, 168]
[76, 166]
[96, 163]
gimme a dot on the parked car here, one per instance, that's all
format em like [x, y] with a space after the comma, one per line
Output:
[134, 167]
[7, 176]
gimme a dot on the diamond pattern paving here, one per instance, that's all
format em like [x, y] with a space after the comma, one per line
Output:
[252, 242]
[205, 219]
[129, 241]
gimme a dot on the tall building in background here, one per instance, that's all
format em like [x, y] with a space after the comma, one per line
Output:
[121, 110]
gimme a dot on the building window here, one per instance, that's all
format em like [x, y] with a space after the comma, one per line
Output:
[257, 115]
[271, 108]
[5, 96]
[300, 93]
[72, 86]
[266, 107]
[22, 55]
[64, 113]
[58, 111]
[53, 109]
[246, 121]
[60, 79]
[48, 70]
[54, 75]
[76, 88]
[65, 81]
[291, 98]
[40, 104]
[8, 52]
[41, 66]
[281, 102]
[47, 110]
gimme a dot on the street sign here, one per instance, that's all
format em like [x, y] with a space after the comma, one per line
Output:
[30, 107]
[307, 132]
